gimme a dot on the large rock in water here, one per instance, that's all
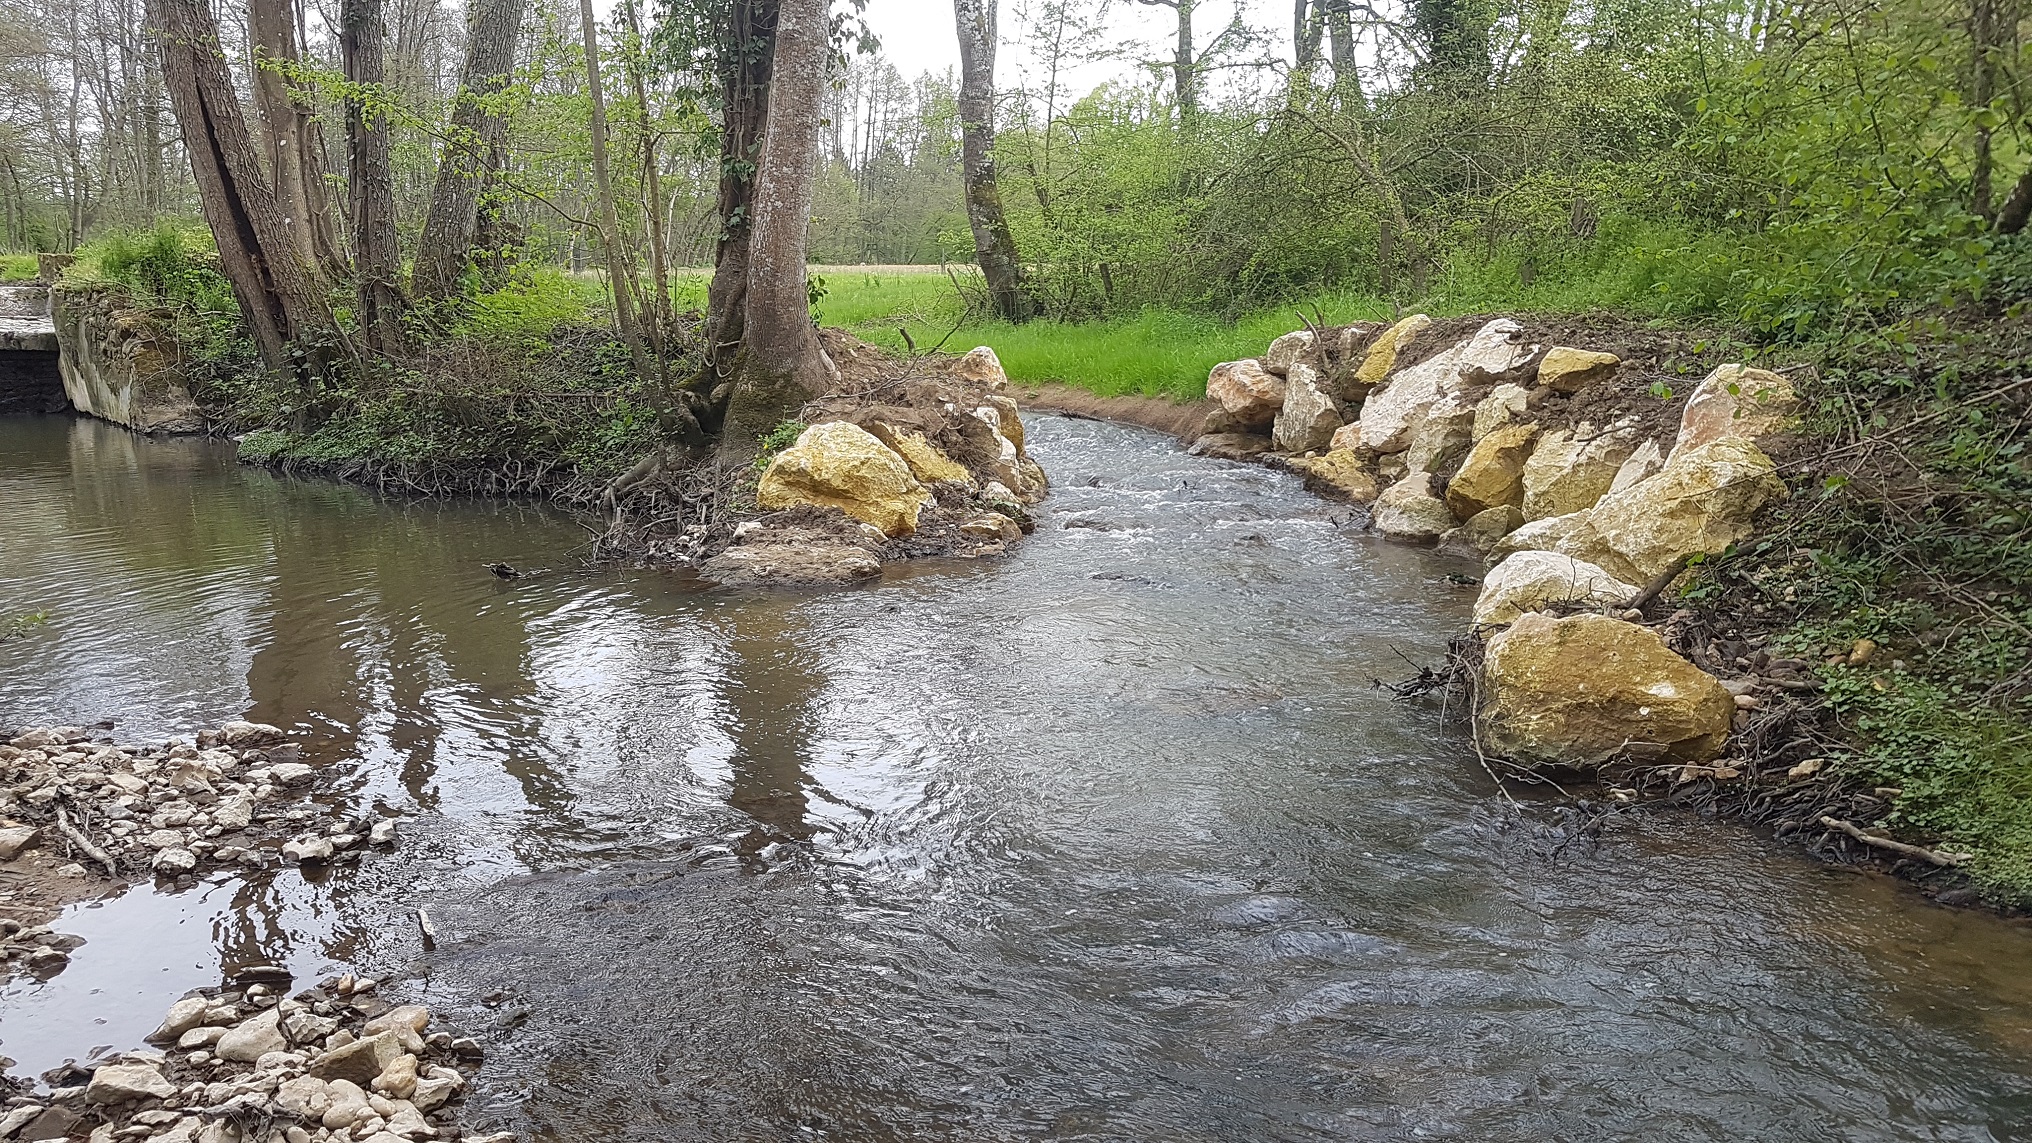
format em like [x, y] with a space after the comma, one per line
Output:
[120, 364]
[1532, 581]
[1411, 509]
[839, 465]
[1249, 396]
[1309, 417]
[1702, 501]
[1735, 401]
[1493, 474]
[1587, 689]
[1339, 473]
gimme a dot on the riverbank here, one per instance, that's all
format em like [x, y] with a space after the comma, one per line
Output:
[1828, 712]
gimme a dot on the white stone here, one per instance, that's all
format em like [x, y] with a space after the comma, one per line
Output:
[1531, 580]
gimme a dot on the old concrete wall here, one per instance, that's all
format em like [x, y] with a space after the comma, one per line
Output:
[121, 364]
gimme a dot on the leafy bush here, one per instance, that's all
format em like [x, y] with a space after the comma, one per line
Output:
[17, 268]
[531, 307]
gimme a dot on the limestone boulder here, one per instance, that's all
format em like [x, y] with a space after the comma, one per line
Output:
[1441, 438]
[1496, 354]
[1339, 473]
[1393, 413]
[1349, 436]
[1249, 396]
[253, 1038]
[1538, 535]
[1640, 465]
[1702, 501]
[118, 1083]
[840, 465]
[1504, 405]
[1481, 532]
[926, 461]
[1533, 581]
[1569, 471]
[1286, 350]
[1736, 401]
[1492, 476]
[1565, 370]
[1309, 417]
[1230, 446]
[1586, 689]
[980, 364]
[1381, 357]
[1413, 509]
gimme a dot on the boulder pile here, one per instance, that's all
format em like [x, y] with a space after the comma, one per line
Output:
[895, 467]
[1452, 440]
[248, 1064]
[78, 812]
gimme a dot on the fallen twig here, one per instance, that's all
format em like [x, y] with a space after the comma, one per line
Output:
[77, 838]
[1944, 860]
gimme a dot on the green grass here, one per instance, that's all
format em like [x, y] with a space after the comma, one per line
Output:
[17, 267]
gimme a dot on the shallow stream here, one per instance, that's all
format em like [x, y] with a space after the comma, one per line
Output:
[1112, 839]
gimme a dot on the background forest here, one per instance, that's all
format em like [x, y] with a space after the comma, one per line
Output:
[1790, 166]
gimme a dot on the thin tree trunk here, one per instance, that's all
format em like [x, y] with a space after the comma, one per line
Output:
[275, 292]
[994, 247]
[618, 269]
[747, 59]
[1985, 43]
[477, 129]
[657, 314]
[781, 364]
[377, 261]
[1185, 73]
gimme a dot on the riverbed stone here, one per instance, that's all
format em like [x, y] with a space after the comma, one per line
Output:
[841, 465]
[1230, 446]
[397, 1079]
[118, 1083]
[1571, 470]
[292, 774]
[308, 850]
[1339, 473]
[1249, 396]
[1492, 476]
[1565, 370]
[174, 861]
[1481, 532]
[249, 735]
[1412, 509]
[253, 1038]
[1285, 350]
[359, 1062]
[1702, 501]
[183, 1016]
[1309, 416]
[1586, 689]
[1533, 581]
[14, 839]
[1381, 357]
[1736, 401]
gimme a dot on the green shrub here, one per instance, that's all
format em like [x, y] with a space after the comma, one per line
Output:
[531, 307]
[17, 268]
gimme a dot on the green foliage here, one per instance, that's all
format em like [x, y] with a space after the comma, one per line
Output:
[15, 626]
[531, 307]
[17, 268]
[776, 440]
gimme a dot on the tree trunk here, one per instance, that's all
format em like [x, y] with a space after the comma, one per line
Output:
[619, 271]
[1985, 43]
[1184, 70]
[1456, 38]
[781, 365]
[994, 247]
[377, 261]
[1341, 42]
[451, 224]
[656, 315]
[747, 58]
[1307, 26]
[275, 291]
[271, 37]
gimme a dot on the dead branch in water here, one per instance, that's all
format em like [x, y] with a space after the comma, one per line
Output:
[1935, 857]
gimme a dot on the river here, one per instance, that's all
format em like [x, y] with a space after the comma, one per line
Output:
[1112, 839]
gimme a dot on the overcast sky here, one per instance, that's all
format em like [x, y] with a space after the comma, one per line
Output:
[917, 35]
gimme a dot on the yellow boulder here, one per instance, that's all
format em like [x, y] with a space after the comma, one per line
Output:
[1566, 370]
[1340, 472]
[1382, 355]
[1493, 473]
[1588, 689]
[844, 466]
[1702, 501]
[926, 460]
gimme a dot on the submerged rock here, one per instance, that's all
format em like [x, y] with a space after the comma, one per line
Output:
[1587, 689]
[843, 466]
[1230, 446]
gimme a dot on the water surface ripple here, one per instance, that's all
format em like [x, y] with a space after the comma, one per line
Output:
[1112, 840]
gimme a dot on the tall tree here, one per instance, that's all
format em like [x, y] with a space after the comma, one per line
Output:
[746, 55]
[656, 315]
[781, 364]
[1184, 64]
[619, 271]
[296, 161]
[1455, 36]
[257, 251]
[994, 246]
[377, 260]
[477, 130]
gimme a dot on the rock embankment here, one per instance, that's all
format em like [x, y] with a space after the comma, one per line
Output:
[121, 363]
[1541, 459]
[906, 460]
[250, 1064]
[80, 813]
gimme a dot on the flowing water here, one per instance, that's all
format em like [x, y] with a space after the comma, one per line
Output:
[1113, 839]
